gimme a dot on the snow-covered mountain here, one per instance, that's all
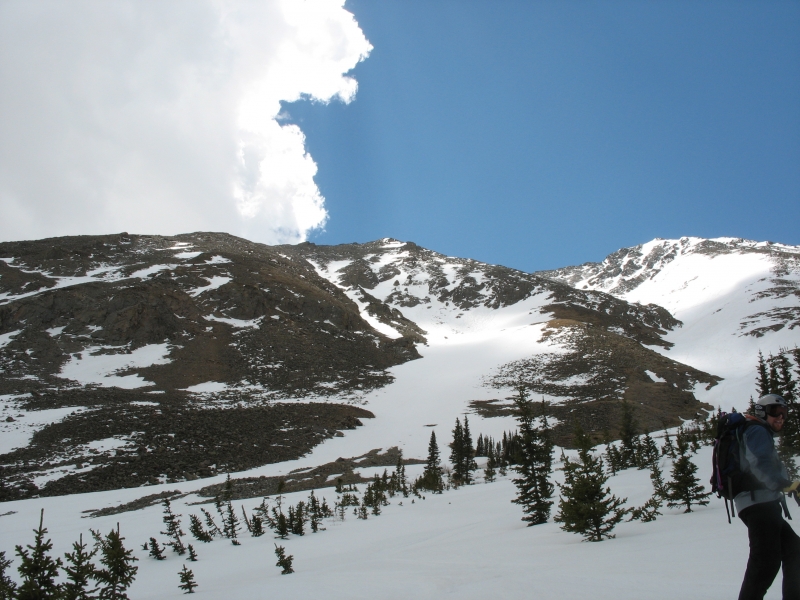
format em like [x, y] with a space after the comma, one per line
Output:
[120, 354]
[733, 297]
[132, 360]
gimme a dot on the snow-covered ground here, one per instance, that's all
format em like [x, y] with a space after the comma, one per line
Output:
[465, 543]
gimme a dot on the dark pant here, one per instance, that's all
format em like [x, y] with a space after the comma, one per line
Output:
[772, 543]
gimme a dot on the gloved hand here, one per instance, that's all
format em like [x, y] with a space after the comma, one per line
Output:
[793, 489]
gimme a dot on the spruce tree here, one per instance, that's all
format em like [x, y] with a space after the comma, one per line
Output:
[284, 561]
[187, 580]
[585, 506]
[197, 530]
[628, 438]
[685, 489]
[79, 570]
[192, 553]
[762, 379]
[156, 551]
[37, 568]
[648, 452]
[213, 529]
[431, 478]
[231, 524]
[174, 531]
[468, 453]
[789, 447]
[118, 572]
[7, 585]
[489, 472]
[650, 509]
[457, 453]
[534, 488]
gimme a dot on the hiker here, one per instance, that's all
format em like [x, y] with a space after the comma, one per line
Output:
[772, 541]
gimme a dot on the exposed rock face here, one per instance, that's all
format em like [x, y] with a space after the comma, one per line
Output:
[230, 311]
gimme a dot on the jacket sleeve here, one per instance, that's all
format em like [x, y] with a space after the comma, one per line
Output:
[762, 459]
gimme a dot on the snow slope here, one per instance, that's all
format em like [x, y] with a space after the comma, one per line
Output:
[735, 298]
[466, 543]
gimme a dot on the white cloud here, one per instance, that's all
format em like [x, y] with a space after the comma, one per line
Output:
[162, 117]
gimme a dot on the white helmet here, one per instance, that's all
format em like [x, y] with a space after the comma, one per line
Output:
[769, 400]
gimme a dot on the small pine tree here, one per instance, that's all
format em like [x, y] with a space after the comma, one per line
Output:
[468, 454]
[192, 553]
[213, 529]
[79, 570]
[585, 506]
[668, 449]
[685, 489]
[490, 471]
[7, 585]
[174, 531]
[650, 509]
[629, 440]
[37, 568]
[456, 453]
[431, 478]
[187, 580]
[534, 488]
[284, 561]
[231, 525]
[648, 452]
[762, 378]
[156, 551]
[197, 530]
[257, 526]
[118, 572]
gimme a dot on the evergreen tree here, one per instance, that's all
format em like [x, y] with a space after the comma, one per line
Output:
[156, 551]
[197, 530]
[648, 452]
[284, 561]
[400, 469]
[789, 447]
[118, 572]
[534, 488]
[187, 580]
[585, 506]
[231, 525]
[668, 449]
[685, 489]
[300, 518]
[174, 531]
[650, 509]
[213, 529]
[457, 453]
[37, 568]
[762, 379]
[489, 472]
[79, 570]
[431, 478]
[774, 379]
[192, 553]
[468, 453]
[314, 512]
[7, 585]
[628, 438]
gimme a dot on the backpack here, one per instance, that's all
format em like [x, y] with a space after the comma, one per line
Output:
[727, 479]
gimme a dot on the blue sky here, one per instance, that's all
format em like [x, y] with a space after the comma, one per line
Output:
[543, 134]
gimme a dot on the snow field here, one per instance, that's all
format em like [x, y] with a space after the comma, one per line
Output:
[466, 543]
